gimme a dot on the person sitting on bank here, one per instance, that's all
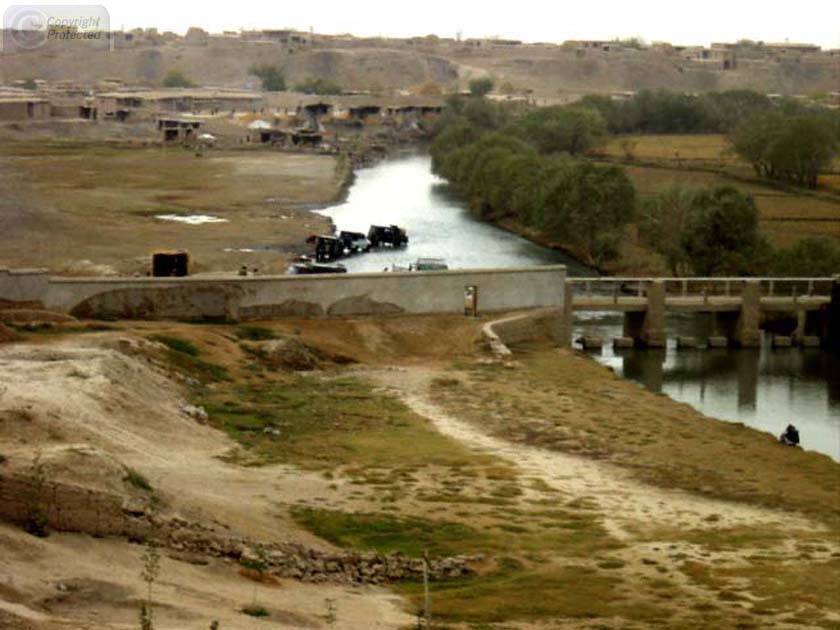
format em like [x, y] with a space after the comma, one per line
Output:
[790, 437]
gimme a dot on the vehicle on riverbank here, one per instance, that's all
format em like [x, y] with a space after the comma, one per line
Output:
[387, 235]
[327, 248]
[354, 242]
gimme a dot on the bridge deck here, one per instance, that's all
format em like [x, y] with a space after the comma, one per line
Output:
[696, 304]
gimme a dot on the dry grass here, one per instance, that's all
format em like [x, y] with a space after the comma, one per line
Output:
[565, 401]
[710, 148]
[774, 586]
[67, 187]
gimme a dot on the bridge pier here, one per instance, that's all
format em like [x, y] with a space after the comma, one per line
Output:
[647, 327]
[741, 327]
[811, 326]
[832, 317]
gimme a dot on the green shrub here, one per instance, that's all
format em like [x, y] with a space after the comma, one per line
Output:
[176, 78]
[137, 479]
[255, 610]
[255, 333]
[177, 344]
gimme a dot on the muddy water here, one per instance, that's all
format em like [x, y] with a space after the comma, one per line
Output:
[765, 389]
[403, 191]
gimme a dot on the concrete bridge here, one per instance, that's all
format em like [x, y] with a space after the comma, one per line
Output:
[738, 308]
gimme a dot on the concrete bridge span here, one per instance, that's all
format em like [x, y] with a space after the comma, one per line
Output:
[738, 307]
[236, 298]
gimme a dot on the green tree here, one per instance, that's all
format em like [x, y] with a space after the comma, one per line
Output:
[603, 203]
[810, 256]
[317, 85]
[563, 129]
[662, 222]
[176, 78]
[481, 86]
[272, 77]
[721, 235]
[790, 147]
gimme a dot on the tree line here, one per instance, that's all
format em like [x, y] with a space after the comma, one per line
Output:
[512, 162]
[526, 167]
[663, 111]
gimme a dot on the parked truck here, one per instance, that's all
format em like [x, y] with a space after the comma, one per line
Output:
[387, 235]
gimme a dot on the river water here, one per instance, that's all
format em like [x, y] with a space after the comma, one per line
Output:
[763, 388]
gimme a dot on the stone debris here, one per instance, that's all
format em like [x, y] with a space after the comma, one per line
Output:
[197, 413]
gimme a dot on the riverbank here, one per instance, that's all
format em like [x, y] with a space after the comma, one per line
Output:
[114, 205]
[582, 499]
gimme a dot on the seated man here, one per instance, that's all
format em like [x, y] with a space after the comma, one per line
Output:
[790, 436]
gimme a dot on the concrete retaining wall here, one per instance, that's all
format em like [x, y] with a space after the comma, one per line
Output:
[269, 297]
[541, 324]
[23, 285]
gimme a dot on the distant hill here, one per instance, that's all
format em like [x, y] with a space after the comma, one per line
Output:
[386, 64]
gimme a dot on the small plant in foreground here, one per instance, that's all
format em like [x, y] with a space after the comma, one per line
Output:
[331, 617]
[260, 565]
[150, 572]
[146, 618]
[36, 518]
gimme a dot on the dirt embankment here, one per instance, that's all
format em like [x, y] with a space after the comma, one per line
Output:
[96, 438]
[580, 498]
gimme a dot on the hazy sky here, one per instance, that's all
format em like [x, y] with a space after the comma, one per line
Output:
[699, 22]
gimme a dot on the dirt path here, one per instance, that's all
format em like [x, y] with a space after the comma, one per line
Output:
[625, 503]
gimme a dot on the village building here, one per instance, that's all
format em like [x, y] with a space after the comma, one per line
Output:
[177, 100]
[178, 129]
[363, 112]
[71, 107]
[719, 57]
[15, 107]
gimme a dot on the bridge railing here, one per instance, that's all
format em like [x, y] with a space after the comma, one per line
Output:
[702, 286]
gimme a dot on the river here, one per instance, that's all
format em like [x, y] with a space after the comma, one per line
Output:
[764, 388]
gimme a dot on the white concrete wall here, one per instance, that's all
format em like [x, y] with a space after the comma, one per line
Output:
[278, 296]
[23, 285]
